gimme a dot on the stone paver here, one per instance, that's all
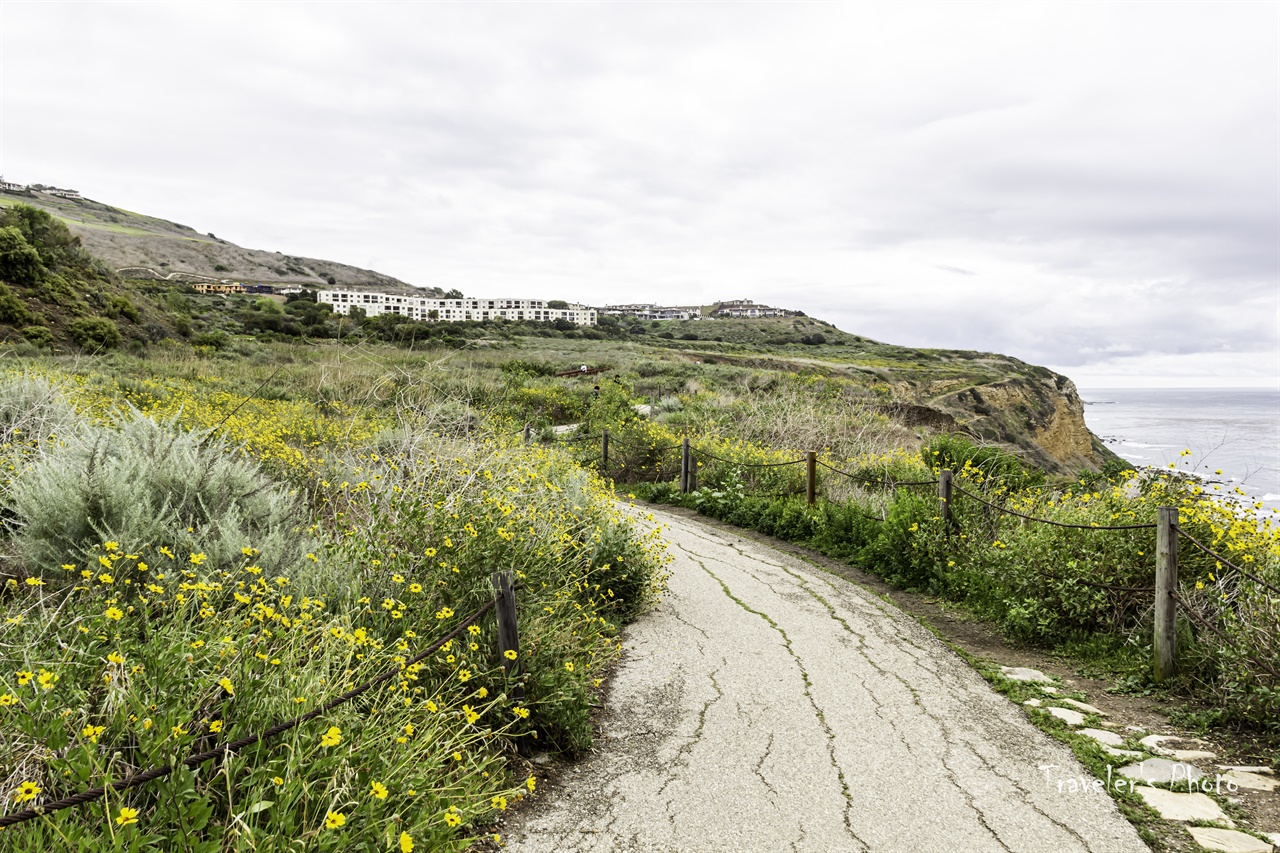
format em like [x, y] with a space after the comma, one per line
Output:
[1161, 771]
[1156, 743]
[1121, 753]
[1182, 807]
[1022, 673]
[1103, 737]
[1252, 781]
[1227, 840]
[1083, 706]
[766, 706]
[1070, 717]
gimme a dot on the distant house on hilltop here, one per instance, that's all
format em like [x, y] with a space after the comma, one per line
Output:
[218, 287]
[429, 309]
[746, 308]
[6, 186]
[649, 311]
[63, 193]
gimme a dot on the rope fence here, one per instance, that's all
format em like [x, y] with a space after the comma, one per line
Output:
[141, 778]
[874, 482]
[1224, 561]
[1163, 589]
[1050, 522]
[1203, 622]
[703, 453]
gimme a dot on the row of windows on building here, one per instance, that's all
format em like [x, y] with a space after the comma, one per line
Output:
[428, 310]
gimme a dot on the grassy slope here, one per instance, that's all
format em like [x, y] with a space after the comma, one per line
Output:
[126, 239]
[939, 389]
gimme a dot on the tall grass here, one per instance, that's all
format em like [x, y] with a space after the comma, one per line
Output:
[188, 566]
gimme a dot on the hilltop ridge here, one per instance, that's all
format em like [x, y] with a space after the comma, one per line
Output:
[142, 246]
[59, 291]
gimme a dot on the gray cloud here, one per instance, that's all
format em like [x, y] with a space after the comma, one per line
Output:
[1094, 187]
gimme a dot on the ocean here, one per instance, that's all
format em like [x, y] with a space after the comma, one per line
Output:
[1235, 431]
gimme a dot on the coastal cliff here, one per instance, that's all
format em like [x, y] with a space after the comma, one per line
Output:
[1040, 416]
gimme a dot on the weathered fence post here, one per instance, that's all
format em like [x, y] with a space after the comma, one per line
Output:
[1166, 616]
[944, 500]
[528, 432]
[508, 636]
[684, 465]
[509, 640]
[811, 476]
[604, 453]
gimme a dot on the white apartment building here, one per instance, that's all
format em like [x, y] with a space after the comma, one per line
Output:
[649, 311]
[747, 308]
[429, 309]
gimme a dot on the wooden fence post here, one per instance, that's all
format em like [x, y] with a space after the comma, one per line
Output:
[508, 636]
[811, 476]
[1166, 615]
[684, 465]
[944, 500]
[604, 453]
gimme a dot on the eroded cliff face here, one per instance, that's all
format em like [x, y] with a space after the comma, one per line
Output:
[1037, 413]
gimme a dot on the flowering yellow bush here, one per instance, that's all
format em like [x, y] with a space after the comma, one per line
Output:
[127, 654]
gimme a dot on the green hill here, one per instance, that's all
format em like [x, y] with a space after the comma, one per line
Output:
[141, 246]
[57, 295]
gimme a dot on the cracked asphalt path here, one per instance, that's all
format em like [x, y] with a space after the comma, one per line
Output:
[767, 705]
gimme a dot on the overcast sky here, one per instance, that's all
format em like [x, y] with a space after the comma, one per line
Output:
[1090, 186]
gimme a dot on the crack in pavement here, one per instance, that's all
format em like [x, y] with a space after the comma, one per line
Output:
[920, 654]
[808, 691]
[895, 746]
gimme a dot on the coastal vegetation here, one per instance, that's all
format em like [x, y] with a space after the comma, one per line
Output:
[189, 565]
[223, 512]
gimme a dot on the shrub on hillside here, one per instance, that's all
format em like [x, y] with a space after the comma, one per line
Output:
[32, 409]
[94, 333]
[19, 261]
[149, 483]
[13, 309]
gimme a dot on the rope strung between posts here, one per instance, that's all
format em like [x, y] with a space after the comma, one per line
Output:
[1205, 623]
[625, 445]
[1227, 562]
[1055, 523]
[873, 482]
[247, 399]
[142, 778]
[580, 438]
[1149, 588]
[699, 452]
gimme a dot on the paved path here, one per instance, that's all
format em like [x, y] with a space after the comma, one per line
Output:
[767, 705]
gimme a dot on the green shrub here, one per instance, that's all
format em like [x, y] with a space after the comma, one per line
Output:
[94, 333]
[13, 309]
[216, 341]
[118, 306]
[41, 336]
[19, 261]
[32, 409]
[150, 483]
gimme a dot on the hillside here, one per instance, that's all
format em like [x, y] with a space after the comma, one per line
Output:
[141, 246]
[57, 294]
